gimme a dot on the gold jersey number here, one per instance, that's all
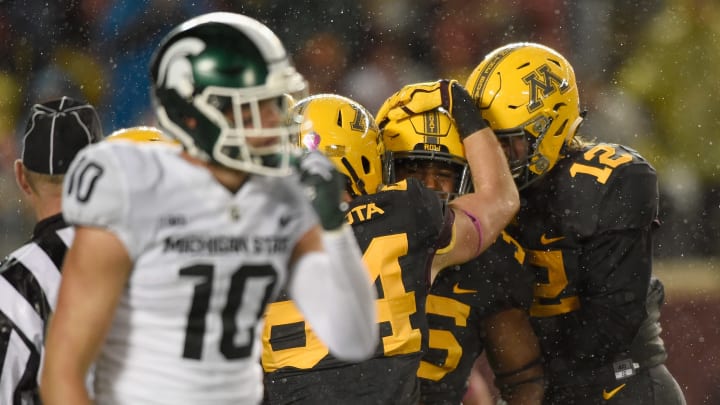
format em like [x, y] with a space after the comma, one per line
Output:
[600, 161]
[395, 307]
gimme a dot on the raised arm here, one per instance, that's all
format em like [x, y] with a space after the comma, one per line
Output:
[495, 199]
[481, 215]
[330, 283]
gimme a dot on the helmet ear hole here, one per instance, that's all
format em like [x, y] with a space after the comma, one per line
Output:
[339, 121]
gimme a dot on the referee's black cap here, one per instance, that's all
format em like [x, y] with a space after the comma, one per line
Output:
[56, 131]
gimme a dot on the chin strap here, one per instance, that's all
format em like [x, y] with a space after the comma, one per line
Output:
[576, 124]
[354, 177]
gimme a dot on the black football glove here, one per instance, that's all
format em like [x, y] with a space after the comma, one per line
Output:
[418, 98]
[324, 186]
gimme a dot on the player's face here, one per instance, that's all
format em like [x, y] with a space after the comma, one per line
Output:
[271, 116]
[437, 176]
[516, 148]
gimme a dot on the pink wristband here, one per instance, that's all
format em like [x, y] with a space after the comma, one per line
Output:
[477, 228]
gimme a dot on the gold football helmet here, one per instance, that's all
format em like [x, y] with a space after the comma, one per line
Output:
[528, 94]
[140, 134]
[430, 136]
[345, 132]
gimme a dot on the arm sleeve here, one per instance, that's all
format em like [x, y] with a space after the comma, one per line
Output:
[618, 267]
[333, 291]
[616, 263]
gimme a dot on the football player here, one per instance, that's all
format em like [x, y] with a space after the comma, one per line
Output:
[399, 227]
[481, 304]
[178, 250]
[586, 221]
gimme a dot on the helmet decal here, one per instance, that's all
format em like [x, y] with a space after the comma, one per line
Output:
[432, 126]
[479, 85]
[176, 71]
[548, 85]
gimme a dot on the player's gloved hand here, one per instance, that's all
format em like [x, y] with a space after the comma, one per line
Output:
[418, 98]
[324, 186]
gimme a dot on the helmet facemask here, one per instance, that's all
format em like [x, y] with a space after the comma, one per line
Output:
[522, 149]
[245, 142]
[445, 168]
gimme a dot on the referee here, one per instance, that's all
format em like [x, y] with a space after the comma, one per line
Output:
[30, 276]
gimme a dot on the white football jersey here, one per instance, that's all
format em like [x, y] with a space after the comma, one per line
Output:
[206, 263]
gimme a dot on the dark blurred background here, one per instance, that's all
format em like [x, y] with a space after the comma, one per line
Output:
[647, 72]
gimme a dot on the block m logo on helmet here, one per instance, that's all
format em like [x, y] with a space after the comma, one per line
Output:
[545, 81]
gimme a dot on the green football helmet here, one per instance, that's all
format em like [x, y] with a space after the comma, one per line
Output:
[212, 76]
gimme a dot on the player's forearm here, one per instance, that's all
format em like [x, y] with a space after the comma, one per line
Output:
[513, 351]
[333, 291]
[528, 393]
[60, 387]
[65, 367]
[488, 164]
[523, 387]
[495, 199]
[354, 284]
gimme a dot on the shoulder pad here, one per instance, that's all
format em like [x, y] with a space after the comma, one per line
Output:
[603, 187]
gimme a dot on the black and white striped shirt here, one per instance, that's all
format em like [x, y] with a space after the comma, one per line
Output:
[29, 281]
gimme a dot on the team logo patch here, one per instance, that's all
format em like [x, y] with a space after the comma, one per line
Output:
[546, 241]
[542, 83]
[173, 220]
[175, 70]
[458, 290]
[609, 394]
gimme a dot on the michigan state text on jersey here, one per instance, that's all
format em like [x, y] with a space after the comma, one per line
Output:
[178, 250]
